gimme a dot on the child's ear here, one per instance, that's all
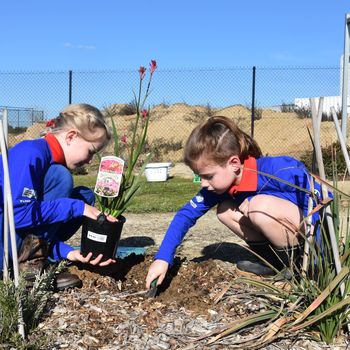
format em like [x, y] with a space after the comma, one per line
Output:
[235, 163]
[71, 135]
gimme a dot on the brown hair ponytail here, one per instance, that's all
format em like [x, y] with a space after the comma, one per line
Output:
[219, 138]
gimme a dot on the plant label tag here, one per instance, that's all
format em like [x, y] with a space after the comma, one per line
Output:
[97, 237]
[109, 176]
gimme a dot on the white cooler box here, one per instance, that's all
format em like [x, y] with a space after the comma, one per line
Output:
[157, 171]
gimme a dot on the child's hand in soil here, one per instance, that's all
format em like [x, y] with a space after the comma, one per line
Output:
[75, 255]
[158, 269]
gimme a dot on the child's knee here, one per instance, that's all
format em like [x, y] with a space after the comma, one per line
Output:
[84, 193]
[227, 212]
[222, 209]
[257, 209]
[58, 182]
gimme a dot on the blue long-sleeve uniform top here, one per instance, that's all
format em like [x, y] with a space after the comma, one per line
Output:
[28, 163]
[259, 177]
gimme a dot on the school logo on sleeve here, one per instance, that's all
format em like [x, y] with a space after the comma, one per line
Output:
[199, 198]
[28, 192]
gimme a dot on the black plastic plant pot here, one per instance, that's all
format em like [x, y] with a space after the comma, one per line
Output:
[101, 236]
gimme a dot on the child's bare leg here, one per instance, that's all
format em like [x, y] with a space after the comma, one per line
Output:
[270, 226]
[263, 218]
[231, 216]
[277, 219]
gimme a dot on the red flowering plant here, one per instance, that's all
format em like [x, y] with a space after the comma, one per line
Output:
[130, 147]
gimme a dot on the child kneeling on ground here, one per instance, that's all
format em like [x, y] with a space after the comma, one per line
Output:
[48, 210]
[251, 200]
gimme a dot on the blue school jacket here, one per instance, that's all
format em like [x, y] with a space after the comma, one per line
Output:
[28, 163]
[256, 179]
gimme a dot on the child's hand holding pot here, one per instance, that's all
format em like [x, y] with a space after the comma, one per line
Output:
[75, 255]
[158, 269]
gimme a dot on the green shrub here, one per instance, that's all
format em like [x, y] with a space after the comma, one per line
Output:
[128, 109]
[287, 107]
[331, 155]
[16, 130]
[33, 302]
[258, 112]
[304, 112]
[161, 147]
[198, 116]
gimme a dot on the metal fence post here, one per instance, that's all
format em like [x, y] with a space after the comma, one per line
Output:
[253, 104]
[70, 87]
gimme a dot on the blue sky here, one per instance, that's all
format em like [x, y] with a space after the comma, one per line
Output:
[112, 34]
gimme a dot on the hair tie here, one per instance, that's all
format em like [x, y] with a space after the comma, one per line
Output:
[51, 124]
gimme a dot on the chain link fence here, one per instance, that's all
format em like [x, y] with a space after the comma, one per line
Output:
[269, 103]
[20, 118]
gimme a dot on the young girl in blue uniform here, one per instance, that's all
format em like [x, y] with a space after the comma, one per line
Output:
[48, 210]
[265, 212]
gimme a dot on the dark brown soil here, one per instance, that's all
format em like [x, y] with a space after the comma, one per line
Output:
[188, 284]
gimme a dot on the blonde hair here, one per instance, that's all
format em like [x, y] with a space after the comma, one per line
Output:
[88, 120]
[218, 139]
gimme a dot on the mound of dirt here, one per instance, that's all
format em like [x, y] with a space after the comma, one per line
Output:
[277, 133]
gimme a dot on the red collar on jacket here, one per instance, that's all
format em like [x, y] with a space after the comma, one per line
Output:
[249, 180]
[56, 149]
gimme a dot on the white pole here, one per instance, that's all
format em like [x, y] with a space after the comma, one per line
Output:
[345, 85]
[309, 231]
[341, 139]
[5, 125]
[8, 197]
[5, 213]
[344, 149]
[316, 122]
